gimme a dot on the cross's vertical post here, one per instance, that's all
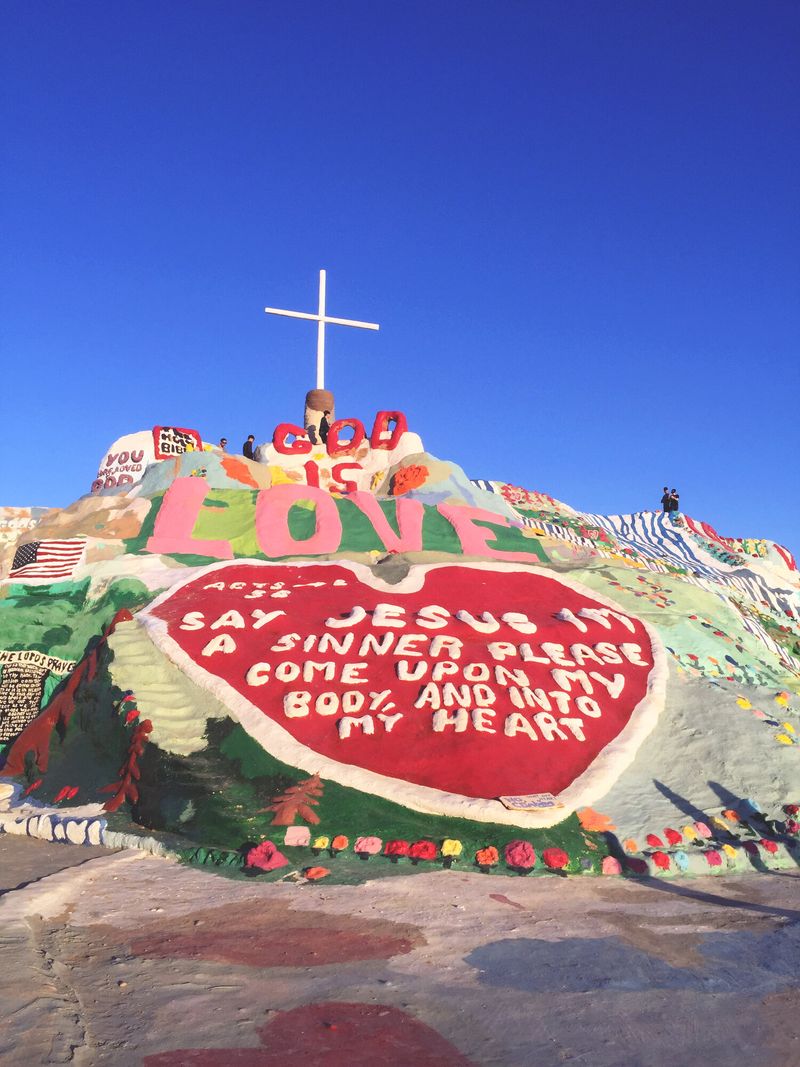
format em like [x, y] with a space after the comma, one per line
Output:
[321, 333]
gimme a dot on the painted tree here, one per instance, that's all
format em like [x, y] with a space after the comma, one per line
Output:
[297, 800]
[129, 773]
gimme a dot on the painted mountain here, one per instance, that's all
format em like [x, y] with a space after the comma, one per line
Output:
[350, 658]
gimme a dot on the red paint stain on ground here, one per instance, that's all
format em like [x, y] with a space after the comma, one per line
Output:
[501, 898]
[331, 1035]
[258, 935]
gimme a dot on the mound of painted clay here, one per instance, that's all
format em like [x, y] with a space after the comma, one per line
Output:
[350, 651]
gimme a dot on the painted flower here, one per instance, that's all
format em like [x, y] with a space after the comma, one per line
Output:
[519, 497]
[731, 815]
[792, 826]
[368, 846]
[636, 865]
[313, 874]
[661, 860]
[67, 793]
[681, 860]
[520, 854]
[487, 857]
[339, 843]
[321, 842]
[594, 820]
[768, 846]
[611, 865]
[654, 841]
[713, 858]
[422, 850]
[408, 478]
[297, 836]
[729, 850]
[673, 836]
[630, 845]
[396, 848]
[266, 856]
[791, 809]
[451, 847]
[555, 858]
[702, 829]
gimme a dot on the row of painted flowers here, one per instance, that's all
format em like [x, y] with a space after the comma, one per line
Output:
[733, 840]
[518, 855]
[695, 849]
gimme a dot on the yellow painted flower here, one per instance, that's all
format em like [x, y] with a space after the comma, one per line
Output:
[321, 842]
[719, 822]
[788, 727]
[784, 739]
[782, 699]
[729, 850]
[690, 833]
[743, 702]
[451, 847]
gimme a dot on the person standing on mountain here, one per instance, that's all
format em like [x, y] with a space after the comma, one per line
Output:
[665, 506]
[674, 501]
[247, 447]
[324, 426]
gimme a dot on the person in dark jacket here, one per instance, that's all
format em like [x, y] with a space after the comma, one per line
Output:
[247, 447]
[324, 426]
[674, 501]
[665, 500]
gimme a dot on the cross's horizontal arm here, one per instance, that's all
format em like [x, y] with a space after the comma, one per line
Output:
[292, 314]
[352, 322]
[325, 318]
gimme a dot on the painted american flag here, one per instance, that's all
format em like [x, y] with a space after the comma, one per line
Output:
[46, 561]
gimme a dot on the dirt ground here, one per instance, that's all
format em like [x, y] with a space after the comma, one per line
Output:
[126, 959]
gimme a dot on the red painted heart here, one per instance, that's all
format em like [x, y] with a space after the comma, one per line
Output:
[459, 686]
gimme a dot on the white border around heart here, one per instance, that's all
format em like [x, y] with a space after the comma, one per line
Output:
[585, 790]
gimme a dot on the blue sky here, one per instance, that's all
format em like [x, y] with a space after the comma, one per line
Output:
[577, 224]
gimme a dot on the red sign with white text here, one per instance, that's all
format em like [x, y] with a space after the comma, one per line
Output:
[461, 685]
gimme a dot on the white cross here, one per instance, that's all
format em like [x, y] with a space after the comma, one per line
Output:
[321, 319]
